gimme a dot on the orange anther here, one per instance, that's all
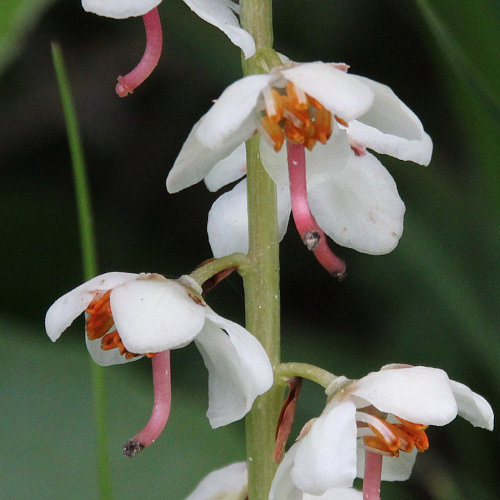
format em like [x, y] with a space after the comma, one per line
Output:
[341, 121]
[392, 438]
[274, 109]
[297, 96]
[323, 125]
[294, 133]
[99, 319]
[314, 103]
[274, 132]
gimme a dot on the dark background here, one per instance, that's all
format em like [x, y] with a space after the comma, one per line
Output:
[433, 301]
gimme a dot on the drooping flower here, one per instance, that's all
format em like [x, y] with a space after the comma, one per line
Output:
[344, 190]
[131, 315]
[231, 483]
[219, 13]
[384, 413]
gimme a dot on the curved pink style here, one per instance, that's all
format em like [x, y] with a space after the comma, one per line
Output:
[372, 475]
[312, 235]
[154, 40]
[161, 406]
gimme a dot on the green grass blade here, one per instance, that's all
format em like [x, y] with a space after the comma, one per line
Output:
[89, 259]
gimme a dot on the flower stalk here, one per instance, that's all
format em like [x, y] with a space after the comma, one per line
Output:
[261, 281]
[304, 370]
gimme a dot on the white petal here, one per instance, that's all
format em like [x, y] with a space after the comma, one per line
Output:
[227, 224]
[390, 127]
[282, 488]
[233, 108]
[472, 406]
[393, 468]
[65, 309]
[228, 220]
[195, 159]
[336, 494]
[326, 457]
[275, 163]
[228, 483]
[219, 13]
[153, 316]
[238, 369]
[339, 92]
[325, 161]
[418, 394]
[119, 9]
[360, 207]
[106, 358]
[228, 170]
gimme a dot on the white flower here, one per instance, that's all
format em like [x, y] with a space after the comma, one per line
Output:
[129, 315]
[231, 483]
[351, 195]
[219, 13]
[377, 412]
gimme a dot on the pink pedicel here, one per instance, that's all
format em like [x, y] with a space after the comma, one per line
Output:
[312, 235]
[154, 40]
[372, 475]
[161, 406]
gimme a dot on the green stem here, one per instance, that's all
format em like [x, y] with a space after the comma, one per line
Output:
[261, 279]
[89, 260]
[211, 268]
[304, 370]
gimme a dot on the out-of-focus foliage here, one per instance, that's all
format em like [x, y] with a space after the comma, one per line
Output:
[16, 18]
[433, 301]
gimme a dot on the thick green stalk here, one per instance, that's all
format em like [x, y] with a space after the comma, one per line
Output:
[89, 261]
[261, 279]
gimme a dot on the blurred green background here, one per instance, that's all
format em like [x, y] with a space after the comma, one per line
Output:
[433, 301]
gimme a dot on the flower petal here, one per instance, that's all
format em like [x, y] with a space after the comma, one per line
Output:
[326, 456]
[153, 316]
[393, 468]
[220, 14]
[65, 309]
[418, 394]
[106, 358]
[339, 92]
[231, 110]
[228, 170]
[228, 483]
[472, 406]
[195, 159]
[282, 487]
[360, 207]
[227, 124]
[119, 9]
[238, 369]
[390, 127]
[336, 494]
[228, 220]
[325, 161]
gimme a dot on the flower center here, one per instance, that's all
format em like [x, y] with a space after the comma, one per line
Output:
[390, 439]
[292, 114]
[100, 325]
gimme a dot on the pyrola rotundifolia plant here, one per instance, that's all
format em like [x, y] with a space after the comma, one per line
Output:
[300, 138]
